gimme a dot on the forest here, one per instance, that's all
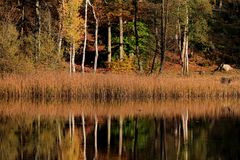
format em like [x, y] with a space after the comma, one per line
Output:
[116, 35]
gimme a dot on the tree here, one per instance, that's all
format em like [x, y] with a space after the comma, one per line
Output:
[72, 27]
[85, 35]
[163, 31]
[121, 31]
[96, 37]
[184, 54]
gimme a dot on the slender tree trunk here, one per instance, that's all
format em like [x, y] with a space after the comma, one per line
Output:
[84, 137]
[121, 32]
[73, 57]
[22, 4]
[96, 40]
[38, 24]
[156, 41]
[49, 22]
[109, 42]
[70, 59]
[85, 36]
[220, 4]
[185, 69]
[164, 22]
[140, 67]
[60, 35]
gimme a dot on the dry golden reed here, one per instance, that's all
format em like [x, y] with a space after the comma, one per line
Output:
[107, 87]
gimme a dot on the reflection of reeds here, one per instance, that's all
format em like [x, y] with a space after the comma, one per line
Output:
[61, 86]
[199, 108]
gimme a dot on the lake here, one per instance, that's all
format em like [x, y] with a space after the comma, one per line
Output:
[194, 130]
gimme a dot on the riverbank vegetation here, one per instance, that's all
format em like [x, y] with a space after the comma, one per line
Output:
[108, 87]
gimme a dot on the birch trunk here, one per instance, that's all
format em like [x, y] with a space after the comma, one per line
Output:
[22, 4]
[184, 55]
[85, 36]
[73, 57]
[70, 60]
[96, 40]
[60, 36]
[140, 67]
[156, 41]
[121, 32]
[164, 22]
[38, 24]
[109, 42]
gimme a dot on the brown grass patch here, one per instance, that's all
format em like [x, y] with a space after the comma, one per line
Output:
[107, 87]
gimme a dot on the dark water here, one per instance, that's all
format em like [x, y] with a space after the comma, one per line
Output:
[142, 138]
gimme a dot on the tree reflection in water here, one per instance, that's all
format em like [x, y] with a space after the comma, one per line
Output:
[134, 137]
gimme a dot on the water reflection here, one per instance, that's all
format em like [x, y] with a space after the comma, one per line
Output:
[119, 138]
[181, 136]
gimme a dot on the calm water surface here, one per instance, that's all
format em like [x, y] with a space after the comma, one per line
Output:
[184, 135]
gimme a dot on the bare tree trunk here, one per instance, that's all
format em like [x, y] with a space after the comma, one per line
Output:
[60, 34]
[73, 57]
[140, 67]
[164, 22]
[22, 4]
[121, 32]
[84, 137]
[184, 55]
[156, 41]
[85, 36]
[96, 40]
[109, 42]
[38, 24]
[178, 30]
[70, 59]
[49, 21]
[220, 4]
[120, 136]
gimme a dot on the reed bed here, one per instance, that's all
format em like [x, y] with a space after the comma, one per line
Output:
[107, 87]
[168, 109]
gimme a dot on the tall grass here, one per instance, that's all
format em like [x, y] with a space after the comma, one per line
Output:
[107, 87]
